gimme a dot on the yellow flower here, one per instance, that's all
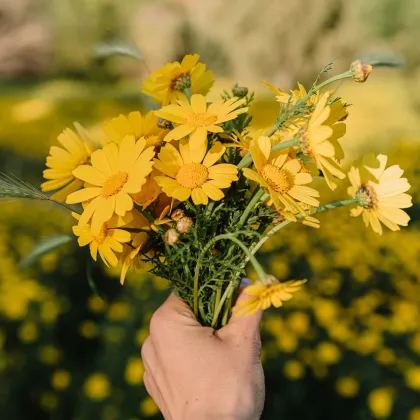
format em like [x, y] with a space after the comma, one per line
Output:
[265, 293]
[380, 193]
[60, 379]
[194, 173]
[284, 97]
[294, 369]
[319, 138]
[168, 83]
[134, 124]
[149, 192]
[347, 387]
[97, 386]
[61, 162]
[412, 378]
[134, 371]
[380, 402]
[131, 253]
[243, 140]
[109, 240]
[197, 120]
[282, 178]
[116, 172]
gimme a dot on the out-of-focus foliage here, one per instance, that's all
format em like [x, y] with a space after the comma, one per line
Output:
[348, 346]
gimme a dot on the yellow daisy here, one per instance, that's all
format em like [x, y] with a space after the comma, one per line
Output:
[285, 97]
[319, 138]
[134, 124]
[281, 177]
[381, 194]
[168, 83]
[192, 172]
[131, 256]
[61, 162]
[149, 192]
[116, 172]
[307, 220]
[242, 141]
[197, 120]
[266, 293]
[109, 240]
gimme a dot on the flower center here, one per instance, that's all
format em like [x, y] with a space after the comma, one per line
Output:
[102, 234]
[279, 180]
[201, 120]
[114, 184]
[192, 175]
[181, 82]
[368, 199]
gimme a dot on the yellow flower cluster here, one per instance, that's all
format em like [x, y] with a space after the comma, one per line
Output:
[139, 188]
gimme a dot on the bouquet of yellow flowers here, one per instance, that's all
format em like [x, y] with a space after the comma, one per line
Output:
[192, 191]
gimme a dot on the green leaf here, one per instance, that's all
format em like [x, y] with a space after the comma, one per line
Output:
[44, 247]
[114, 49]
[383, 60]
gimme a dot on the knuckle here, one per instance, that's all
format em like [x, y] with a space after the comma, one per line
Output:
[146, 348]
[156, 321]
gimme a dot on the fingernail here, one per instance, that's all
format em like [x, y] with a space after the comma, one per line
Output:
[245, 282]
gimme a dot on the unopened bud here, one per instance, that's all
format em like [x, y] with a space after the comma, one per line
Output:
[360, 71]
[177, 214]
[240, 91]
[184, 224]
[171, 237]
[165, 124]
[182, 82]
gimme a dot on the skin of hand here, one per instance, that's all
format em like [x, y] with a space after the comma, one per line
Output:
[195, 372]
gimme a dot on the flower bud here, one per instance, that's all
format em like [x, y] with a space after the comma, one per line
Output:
[184, 224]
[360, 71]
[240, 91]
[165, 124]
[171, 237]
[177, 214]
[182, 82]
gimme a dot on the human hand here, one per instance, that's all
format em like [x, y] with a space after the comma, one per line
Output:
[195, 372]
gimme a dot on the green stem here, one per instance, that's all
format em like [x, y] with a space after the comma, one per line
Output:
[281, 225]
[231, 237]
[218, 296]
[341, 76]
[187, 92]
[65, 206]
[286, 144]
[219, 306]
[247, 159]
[227, 309]
[251, 205]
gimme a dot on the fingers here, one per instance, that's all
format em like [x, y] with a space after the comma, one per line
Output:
[151, 369]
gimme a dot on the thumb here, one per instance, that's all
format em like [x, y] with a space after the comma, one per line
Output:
[244, 324]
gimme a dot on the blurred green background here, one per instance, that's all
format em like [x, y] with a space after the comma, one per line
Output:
[348, 346]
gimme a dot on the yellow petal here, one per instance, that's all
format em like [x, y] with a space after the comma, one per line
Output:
[214, 154]
[198, 137]
[199, 197]
[83, 195]
[212, 191]
[198, 104]
[90, 174]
